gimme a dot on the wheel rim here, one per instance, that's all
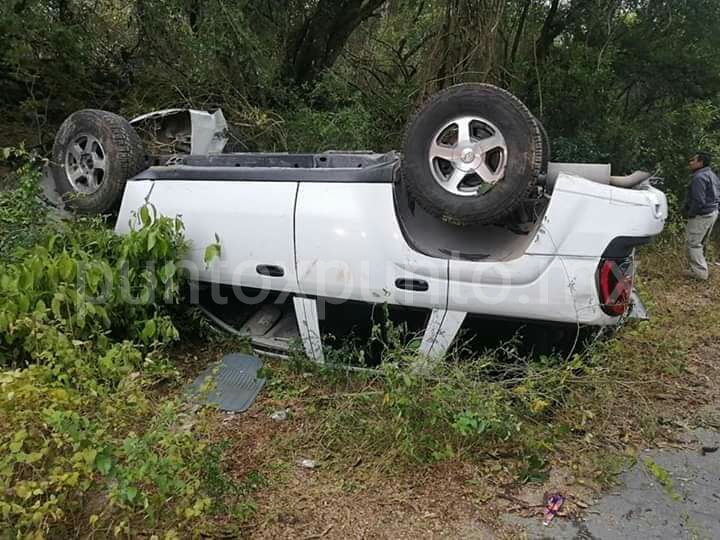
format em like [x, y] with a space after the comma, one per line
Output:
[468, 156]
[85, 164]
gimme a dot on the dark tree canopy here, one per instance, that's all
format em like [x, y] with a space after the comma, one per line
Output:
[635, 82]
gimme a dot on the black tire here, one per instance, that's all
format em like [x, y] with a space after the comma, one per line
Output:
[123, 153]
[525, 156]
[547, 148]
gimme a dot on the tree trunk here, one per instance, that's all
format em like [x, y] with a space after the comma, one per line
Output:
[316, 42]
[549, 32]
[519, 31]
[194, 13]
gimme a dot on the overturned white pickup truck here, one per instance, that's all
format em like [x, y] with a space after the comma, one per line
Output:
[470, 218]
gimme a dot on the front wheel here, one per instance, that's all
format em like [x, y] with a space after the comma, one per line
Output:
[94, 154]
[472, 154]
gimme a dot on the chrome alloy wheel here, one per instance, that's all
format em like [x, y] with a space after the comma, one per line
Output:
[468, 155]
[85, 164]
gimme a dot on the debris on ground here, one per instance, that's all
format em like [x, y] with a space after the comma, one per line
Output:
[554, 504]
[308, 463]
[232, 385]
[280, 416]
[640, 506]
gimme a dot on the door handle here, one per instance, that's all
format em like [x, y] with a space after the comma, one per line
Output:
[270, 270]
[417, 285]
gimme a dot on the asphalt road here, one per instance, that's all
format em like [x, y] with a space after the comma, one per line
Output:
[641, 508]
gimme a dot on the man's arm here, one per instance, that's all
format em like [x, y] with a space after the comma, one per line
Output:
[716, 186]
[696, 196]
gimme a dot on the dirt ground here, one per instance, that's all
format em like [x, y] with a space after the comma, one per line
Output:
[458, 500]
[483, 499]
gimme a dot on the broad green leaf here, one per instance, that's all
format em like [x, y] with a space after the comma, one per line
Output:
[149, 330]
[33, 457]
[152, 240]
[130, 493]
[23, 491]
[145, 216]
[167, 272]
[66, 268]
[23, 303]
[72, 479]
[212, 252]
[5, 282]
[103, 462]
[26, 280]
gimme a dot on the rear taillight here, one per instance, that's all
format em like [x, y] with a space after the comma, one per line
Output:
[615, 284]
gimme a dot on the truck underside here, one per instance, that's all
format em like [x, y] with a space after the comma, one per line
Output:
[314, 228]
[472, 219]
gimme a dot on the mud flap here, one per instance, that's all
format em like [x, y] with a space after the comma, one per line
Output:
[637, 309]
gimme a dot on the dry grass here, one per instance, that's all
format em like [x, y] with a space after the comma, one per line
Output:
[642, 387]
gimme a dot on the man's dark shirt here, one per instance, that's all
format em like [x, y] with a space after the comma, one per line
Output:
[703, 194]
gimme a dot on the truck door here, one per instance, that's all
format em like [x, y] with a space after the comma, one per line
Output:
[350, 247]
[253, 221]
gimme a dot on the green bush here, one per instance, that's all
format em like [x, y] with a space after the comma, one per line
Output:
[84, 282]
[349, 128]
[86, 446]
[23, 216]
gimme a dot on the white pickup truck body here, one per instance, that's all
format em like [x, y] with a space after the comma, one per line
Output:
[338, 227]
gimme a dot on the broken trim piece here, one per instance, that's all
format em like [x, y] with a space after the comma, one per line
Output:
[208, 131]
[638, 311]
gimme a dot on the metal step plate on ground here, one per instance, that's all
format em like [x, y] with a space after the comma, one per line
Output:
[234, 382]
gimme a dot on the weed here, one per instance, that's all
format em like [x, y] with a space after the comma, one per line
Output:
[534, 469]
[480, 405]
[663, 478]
[445, 413]
[695, 530]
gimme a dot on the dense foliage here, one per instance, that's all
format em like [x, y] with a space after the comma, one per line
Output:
[631, 81]
[85, 445]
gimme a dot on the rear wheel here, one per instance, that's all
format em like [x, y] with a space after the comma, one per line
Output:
[472, 153]
[94, 154]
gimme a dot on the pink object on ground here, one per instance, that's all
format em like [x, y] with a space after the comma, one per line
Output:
[554, 503]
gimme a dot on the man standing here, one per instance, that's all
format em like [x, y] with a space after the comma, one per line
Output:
[701, 207]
